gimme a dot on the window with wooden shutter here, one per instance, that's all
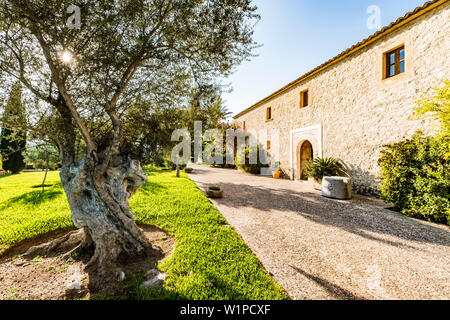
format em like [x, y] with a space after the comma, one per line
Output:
[395, 62]
[304, 98]
[269, 113]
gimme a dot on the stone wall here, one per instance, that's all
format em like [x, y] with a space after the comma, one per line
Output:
[359, 112]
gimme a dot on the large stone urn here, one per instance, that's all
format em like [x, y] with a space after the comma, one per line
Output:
[337, 188]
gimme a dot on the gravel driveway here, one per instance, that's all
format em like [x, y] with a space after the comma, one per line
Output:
[319, 248]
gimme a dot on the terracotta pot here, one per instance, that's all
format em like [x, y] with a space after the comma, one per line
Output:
[276, 174]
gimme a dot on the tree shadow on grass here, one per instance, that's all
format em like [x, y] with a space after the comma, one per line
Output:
[33, 198]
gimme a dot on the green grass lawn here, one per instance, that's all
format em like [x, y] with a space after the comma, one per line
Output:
[210, 260]
[26, 211]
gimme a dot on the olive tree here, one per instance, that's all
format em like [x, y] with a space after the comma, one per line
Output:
[83, 78]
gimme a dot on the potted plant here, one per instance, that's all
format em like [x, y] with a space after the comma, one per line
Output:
[276, 170]
[318, 168]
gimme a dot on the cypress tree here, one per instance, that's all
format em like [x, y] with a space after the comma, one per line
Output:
[12, 140]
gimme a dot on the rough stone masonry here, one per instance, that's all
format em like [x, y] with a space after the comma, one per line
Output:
[353, 109]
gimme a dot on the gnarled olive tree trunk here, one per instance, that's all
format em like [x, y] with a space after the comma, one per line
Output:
[100, 206]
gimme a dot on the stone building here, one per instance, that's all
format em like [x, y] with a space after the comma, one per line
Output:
[362, 99]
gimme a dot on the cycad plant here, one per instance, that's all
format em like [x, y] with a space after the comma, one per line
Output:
[321, 167]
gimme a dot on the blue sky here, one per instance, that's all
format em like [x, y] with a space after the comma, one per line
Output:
[298, 35]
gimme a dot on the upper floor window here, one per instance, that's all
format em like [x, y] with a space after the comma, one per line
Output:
[269, 113]
[304, 98]
[268, 144]
[395, 62]
[243, 125]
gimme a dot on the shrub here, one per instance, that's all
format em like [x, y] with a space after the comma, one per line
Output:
[188, 170]
[223, 127]
[243, 161]
[436, 106]
[323, 167]
[42, 156]
[169, 164]
[415, 177]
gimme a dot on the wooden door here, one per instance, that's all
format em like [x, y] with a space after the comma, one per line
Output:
[304, 154]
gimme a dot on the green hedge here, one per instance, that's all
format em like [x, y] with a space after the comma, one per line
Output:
[415, 177]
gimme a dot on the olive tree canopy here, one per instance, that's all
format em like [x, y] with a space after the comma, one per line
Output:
[83, 77]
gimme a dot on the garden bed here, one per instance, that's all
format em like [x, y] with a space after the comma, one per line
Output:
[48, 277]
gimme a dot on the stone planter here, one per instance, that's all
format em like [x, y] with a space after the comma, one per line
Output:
[337, 188]
[214, 192]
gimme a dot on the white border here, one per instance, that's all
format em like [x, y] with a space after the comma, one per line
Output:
[316, 127]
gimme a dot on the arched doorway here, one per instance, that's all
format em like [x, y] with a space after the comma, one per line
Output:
[304, 154]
